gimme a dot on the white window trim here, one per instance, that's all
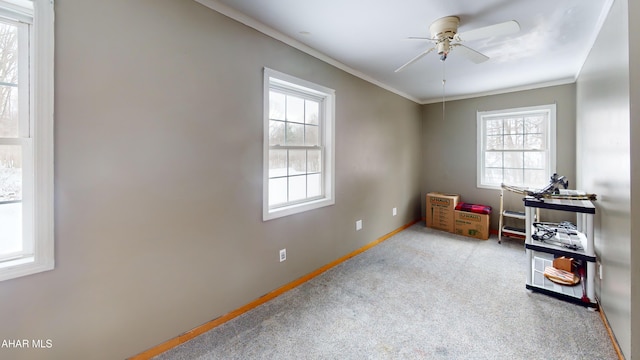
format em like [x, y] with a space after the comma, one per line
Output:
[328, 136]
[551, 137]
[41, 108]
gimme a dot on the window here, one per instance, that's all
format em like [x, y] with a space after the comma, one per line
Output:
[26, 137]
[298, 145]
[517, 147]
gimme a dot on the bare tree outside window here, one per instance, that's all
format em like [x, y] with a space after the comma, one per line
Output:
[10, 159]
[514, 147]
[295, 167]
[26, 137]
[10, 154]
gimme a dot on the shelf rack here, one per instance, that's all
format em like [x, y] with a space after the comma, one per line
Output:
[542, 253]
[510, 230]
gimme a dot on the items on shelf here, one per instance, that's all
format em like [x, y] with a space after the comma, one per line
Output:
[563, 263]
[563, 234]
[559, 276]
[562, 271]
[551, 191]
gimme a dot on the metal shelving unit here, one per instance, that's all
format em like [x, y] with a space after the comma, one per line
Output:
[542, 253]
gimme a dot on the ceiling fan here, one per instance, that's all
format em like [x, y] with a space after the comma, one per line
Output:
[445, 36]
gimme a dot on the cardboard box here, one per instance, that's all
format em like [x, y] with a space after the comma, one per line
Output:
[440, 208]
[472, 224]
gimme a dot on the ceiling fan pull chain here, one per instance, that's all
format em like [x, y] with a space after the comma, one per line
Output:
[444, 81]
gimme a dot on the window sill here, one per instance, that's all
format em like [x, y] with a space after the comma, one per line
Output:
[270, 214]
[16, 268]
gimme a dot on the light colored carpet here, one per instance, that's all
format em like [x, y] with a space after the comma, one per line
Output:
[422, 294]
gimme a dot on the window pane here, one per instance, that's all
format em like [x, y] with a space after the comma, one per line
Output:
[494, 142]
[276, 132]
[277, 163]
[493, 176]
[493, 159]
[514, 126]
[536, 124]
[295, 109]
[9, 53]
[311, 135]
[295, 134]
[535, 142]
[276, 105]
[534, 160]
[297, 162]
[513, 159]
[493, 127]
[297, 187]
[10, 190]
[311, 112]
[535, 178]
[314, 161]
[513, 142]
[8, 110]
[11, 225]
[512, 176]
[10, 172]
[277, 191]
[314, 185]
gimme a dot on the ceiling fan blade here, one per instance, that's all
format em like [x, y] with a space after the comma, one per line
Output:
[501, 29]
[470, 54]
[414, 59]
[420, 38]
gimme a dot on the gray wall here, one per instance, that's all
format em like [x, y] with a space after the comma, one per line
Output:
[604, 162]
[158, 174]
[450, 151]
[158, 183]
[634, 100]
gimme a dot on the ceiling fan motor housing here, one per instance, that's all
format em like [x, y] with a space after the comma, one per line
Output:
[444, 28]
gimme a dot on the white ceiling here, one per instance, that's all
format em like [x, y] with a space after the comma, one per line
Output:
[369, 39]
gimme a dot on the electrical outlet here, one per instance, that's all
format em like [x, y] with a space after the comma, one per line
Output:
[283, 255]
[394, 211]
[358, 225]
